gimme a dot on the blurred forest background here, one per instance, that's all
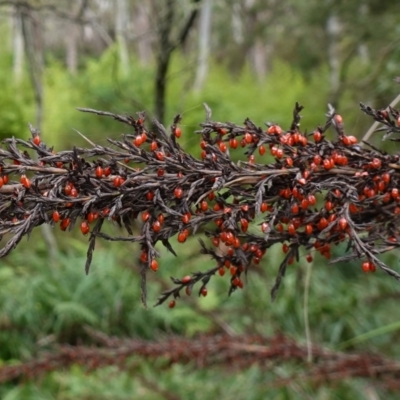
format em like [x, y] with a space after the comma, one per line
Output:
[244, 58]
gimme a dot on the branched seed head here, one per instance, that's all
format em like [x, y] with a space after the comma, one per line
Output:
[314, 195]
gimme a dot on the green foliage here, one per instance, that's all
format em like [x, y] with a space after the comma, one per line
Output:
[99, 86]
[15, 103]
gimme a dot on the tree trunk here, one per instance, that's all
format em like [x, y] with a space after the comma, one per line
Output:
[166, 45]
[121, 17]
[204, 45]
[32, 34]
[333, 30]
[18, 45]
[260, 58]
[143, 33]
[72, 48]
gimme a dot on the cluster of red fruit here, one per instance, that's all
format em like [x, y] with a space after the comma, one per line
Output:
[313, 194]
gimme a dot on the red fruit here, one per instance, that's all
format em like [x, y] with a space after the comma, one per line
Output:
[278, 130]
[1, 181]
[291, 229]
[171, 304]
[177, 132]
[144, 257]
[144, 137]
[264, 227]
[353, 139]
[289, 161]
[309, 229]
[322, 224]
[287, 193]
[160, 155]
[376, 163]
[261, 150]
[218, 221]
[153, 146]
[204, 206]
[5, 179]
[233, 143]
[386, 177]
[84, 227]
[338, 119]
[150, 195]
[353, 208]
[328, 163]
[304, 204]
[117, 181]
[178, 192]
[248, 138]
[244, 224]
[74, 192]
[236, 281]
[221, 271]
[328, 206]
[303, 140]
[343, 223]
[317, 136]
[203, 291]
[285, 248]
[312, 200]
[90, 217]
[36, 140]
[279, 227]
[65, 223]
[217, 207]
[145, 216]
[25, 181]
[138, 141]
[160, 218]
[316, 161]
[107, 171]
[156, 226]
[186, 279]
[365, 266]
[182, 236]
[222, 147]
[56, 216]
[154, 265]
[186, 218]
[346, 140]
[295, 208]
[99, 171]
[309, 258]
